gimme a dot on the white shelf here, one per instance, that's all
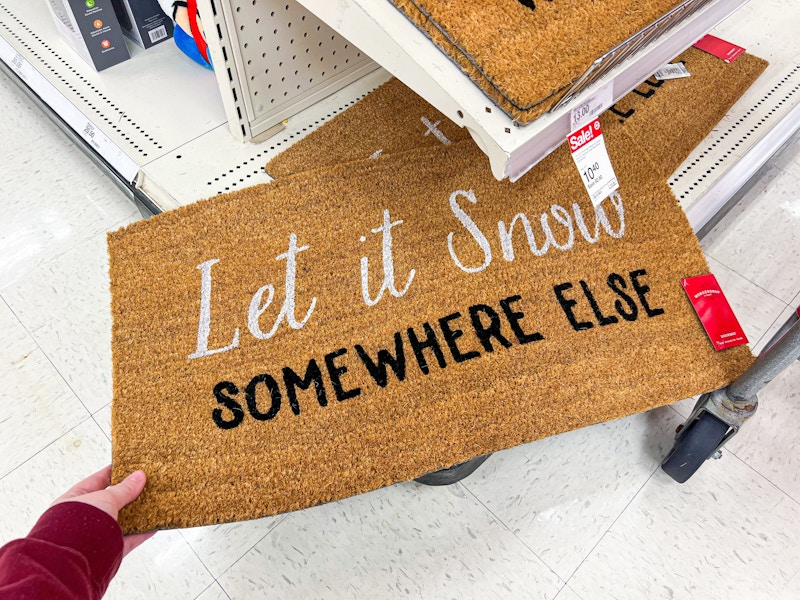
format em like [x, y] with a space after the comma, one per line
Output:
[143, 107]
[385, 34]
[166, 118]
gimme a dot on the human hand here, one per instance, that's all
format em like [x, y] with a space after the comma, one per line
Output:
[95, 490]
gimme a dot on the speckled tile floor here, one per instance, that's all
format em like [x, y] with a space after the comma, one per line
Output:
[581, 516]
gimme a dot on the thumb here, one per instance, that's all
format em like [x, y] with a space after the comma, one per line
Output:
[127, 490]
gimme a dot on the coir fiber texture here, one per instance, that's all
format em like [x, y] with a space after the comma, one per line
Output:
[523, 58]
[668, 118]
[671, 117]
[388, 120]
[345, 329]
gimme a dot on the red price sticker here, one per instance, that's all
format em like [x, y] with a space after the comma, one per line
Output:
[589, 152]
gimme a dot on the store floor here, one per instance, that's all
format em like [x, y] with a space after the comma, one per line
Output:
[584, 515]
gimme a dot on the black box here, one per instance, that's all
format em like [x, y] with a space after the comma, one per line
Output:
[143, 21]
[91, 28]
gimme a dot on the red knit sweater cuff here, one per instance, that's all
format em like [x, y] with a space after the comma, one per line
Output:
[88, 530]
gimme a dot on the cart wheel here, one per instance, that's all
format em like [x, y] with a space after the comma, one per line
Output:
[693, 446]
[453, 474]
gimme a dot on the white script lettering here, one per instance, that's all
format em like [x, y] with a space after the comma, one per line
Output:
[388, 265]
[288, 308]
[204, 326]
[257, 304]
[549, 240]
[470, 226]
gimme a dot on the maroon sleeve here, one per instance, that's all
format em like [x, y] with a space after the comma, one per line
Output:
[73, 551]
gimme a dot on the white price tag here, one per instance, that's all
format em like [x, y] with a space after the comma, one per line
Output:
[672, 71]
[592, 106]
[589, 152]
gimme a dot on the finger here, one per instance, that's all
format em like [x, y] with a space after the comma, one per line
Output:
[129, 542]
[127, 490]
[93, 483]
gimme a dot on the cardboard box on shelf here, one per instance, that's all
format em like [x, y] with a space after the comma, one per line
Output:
[143, 21]
[91, 28]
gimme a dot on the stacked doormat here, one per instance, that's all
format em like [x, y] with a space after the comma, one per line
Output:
[362, 324]
[523, 57]
[672, 117]
[668, 117]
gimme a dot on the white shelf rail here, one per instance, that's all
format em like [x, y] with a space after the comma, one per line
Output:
[112, 153]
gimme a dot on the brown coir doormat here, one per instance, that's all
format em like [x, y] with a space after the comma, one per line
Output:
[523, 58]
[669, 118]
[673, 116]
[390, 119]
[338, 331]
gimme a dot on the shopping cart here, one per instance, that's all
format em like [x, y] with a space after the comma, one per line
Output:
[716, 418]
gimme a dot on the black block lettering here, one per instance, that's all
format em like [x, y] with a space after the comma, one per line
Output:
[451, 335]
[641, 291]
[229, 403]
[252, 401]
[396, 362]
[292, 381]
[485, 333]
[431, 343]
[335, 372]
[514, 317]
[617, 284]
[625, 115]
[601, 318]
[566, 306]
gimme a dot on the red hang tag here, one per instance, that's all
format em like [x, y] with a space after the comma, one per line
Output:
[719, 48]
[715, 313]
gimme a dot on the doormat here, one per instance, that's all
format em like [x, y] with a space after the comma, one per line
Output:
[523, 58]
[668, 117]
[341, 330]
[388, 120]
[675, 115]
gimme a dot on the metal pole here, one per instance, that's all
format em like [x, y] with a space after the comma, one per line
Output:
[767, 366]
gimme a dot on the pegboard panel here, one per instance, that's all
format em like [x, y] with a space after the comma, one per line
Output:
[279, 59]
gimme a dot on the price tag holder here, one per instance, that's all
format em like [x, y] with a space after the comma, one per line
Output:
[589, 152]
[592, 106]
[20, 66]
[69, 112]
